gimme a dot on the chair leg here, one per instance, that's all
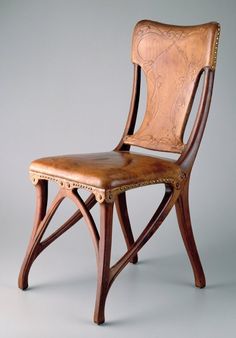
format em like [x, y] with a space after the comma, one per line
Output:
[104, 256]
[184, 220]
[122, 212]
[42, 220]
[41, 207]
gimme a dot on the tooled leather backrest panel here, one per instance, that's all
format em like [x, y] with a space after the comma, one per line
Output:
[171, 58]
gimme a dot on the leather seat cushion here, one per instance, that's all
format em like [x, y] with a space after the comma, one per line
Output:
[107, 170]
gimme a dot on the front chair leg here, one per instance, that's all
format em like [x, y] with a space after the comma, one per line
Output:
[31, 253]
[42, 219]
[104, 256]
[184, 220]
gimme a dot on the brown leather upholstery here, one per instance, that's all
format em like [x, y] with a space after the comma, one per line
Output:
[107, 170]
[172, 58]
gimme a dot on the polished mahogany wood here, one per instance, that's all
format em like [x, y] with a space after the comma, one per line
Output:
[173, 67]
[122, 212]
[162, 211]
[90, 202]
[106, 217]
[183, 215]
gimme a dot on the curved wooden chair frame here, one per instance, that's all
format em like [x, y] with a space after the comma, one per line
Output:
[176, 194]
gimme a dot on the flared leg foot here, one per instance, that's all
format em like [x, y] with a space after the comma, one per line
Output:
[25, 268]
[23, 281]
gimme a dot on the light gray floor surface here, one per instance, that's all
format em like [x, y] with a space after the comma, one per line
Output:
[155, 298]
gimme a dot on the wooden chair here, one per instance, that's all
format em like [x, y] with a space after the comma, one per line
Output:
[173, 59]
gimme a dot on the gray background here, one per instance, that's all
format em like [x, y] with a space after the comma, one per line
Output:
[65, 85]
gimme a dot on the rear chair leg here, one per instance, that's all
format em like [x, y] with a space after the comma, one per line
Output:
[104, 256]
[122, 212]
[184, 220]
